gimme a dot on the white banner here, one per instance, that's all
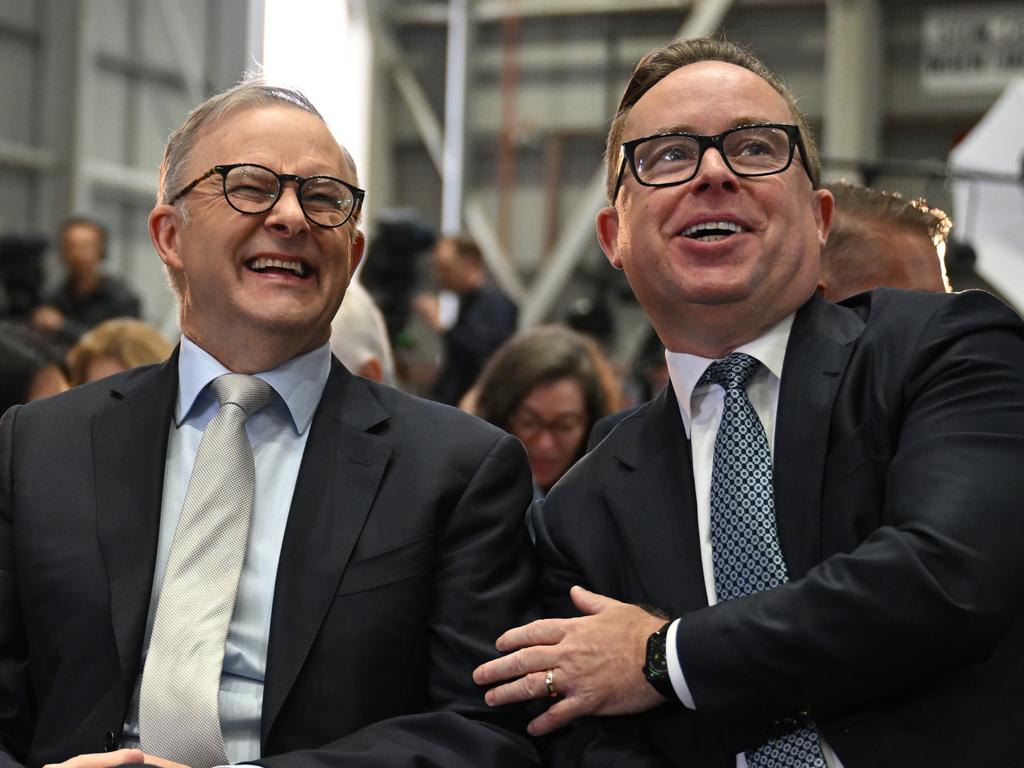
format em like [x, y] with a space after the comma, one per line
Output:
[980, 48]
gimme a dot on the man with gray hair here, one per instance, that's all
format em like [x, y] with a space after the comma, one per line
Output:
[359, 337]
[249, 554]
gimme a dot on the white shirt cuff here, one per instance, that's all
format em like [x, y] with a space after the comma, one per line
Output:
[675, 669]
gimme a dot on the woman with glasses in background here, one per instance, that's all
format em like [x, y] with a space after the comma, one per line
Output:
[547, 386]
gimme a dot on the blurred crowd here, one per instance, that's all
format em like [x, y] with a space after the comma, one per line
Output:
[548, 386]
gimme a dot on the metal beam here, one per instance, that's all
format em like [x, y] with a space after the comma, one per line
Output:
[578, 232]
[429, 128]
[495, 10]
[427, 125]
[188, 56]
[82, 108]
[137, 182]
[456, 58]
[853, 69]
[25, 156]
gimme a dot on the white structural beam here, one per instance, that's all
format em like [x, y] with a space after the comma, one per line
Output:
[81, 111]
[189, 58]
[25, 156]
[577, 235]
[457, 59]
[496, 10]
[415, 98]
[430, 132]
[137, 182]
[852, 116]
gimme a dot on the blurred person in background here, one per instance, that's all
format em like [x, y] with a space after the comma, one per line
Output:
[880, 239]
[114, 346]
[486, 316]
[29, 368]
[547, 386]
[359, 337]
[87, 296]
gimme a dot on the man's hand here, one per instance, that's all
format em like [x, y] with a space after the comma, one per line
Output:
[112, 759]
[47, 318]
[596, 662]
[428, 306]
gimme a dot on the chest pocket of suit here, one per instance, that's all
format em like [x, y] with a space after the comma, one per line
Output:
[404, 562]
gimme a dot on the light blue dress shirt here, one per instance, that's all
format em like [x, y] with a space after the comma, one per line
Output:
[278, 434]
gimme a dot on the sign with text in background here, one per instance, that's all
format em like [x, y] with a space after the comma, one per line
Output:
[970, 49]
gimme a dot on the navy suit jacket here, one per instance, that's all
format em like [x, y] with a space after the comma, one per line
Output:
[898, 481]
[404, 557]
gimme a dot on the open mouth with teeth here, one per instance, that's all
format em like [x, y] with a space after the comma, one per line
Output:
[279, 266]
[711, 231]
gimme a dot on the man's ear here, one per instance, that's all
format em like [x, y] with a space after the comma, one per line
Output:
[356, 255]
[164, 227]
[824, 206]
[608, 235]
[822, 290]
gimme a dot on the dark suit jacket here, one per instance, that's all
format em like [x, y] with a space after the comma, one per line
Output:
[899, 479]
[404, 557]
[487, 318]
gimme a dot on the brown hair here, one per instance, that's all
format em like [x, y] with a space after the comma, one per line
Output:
[129, 341]
[91, 223]
[659, 63]
[858, 213]
[465, 247]
[540, 356]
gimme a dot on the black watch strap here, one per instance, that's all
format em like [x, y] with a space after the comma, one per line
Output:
[656, 663]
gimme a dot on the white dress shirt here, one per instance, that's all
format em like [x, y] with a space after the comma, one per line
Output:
[278, 434]
[700, 409]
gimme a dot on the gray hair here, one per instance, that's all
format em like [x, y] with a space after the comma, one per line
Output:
[359, 332]
[253, 92]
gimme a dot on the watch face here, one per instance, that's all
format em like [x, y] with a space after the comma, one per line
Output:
[656, 666]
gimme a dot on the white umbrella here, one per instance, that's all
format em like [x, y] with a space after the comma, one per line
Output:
[988, 192]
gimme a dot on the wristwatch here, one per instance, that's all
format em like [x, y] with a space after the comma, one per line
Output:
[656, 663]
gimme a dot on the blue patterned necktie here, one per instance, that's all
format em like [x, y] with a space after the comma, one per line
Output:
[744, 541]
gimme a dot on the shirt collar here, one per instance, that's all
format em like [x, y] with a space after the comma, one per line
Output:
[299, 382]
[685, 369]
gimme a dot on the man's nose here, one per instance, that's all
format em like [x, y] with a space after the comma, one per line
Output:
[287, 213]
[714, 171]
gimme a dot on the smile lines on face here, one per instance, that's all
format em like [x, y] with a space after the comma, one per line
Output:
[263, 264]
[710, 231]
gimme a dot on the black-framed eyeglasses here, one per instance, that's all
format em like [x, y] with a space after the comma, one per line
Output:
[251, 188]
[668, 159]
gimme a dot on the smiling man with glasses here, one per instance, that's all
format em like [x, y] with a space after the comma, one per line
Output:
[805, 551]
[248, 554]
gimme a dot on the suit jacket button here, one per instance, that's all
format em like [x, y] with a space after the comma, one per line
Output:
[110, 742]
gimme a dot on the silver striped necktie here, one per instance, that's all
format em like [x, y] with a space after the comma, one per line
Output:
[179, 718]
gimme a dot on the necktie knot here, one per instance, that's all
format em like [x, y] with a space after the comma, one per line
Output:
[247, 392]
[732, 372]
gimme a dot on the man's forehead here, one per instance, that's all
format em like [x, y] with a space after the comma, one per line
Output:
[268, 130]
[692, 97]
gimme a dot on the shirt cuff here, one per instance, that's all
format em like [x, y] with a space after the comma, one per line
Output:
[675, 669]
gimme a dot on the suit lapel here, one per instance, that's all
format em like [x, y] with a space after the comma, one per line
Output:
[340, 473]
[820, 344]
[129, 444]
[654, 505]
